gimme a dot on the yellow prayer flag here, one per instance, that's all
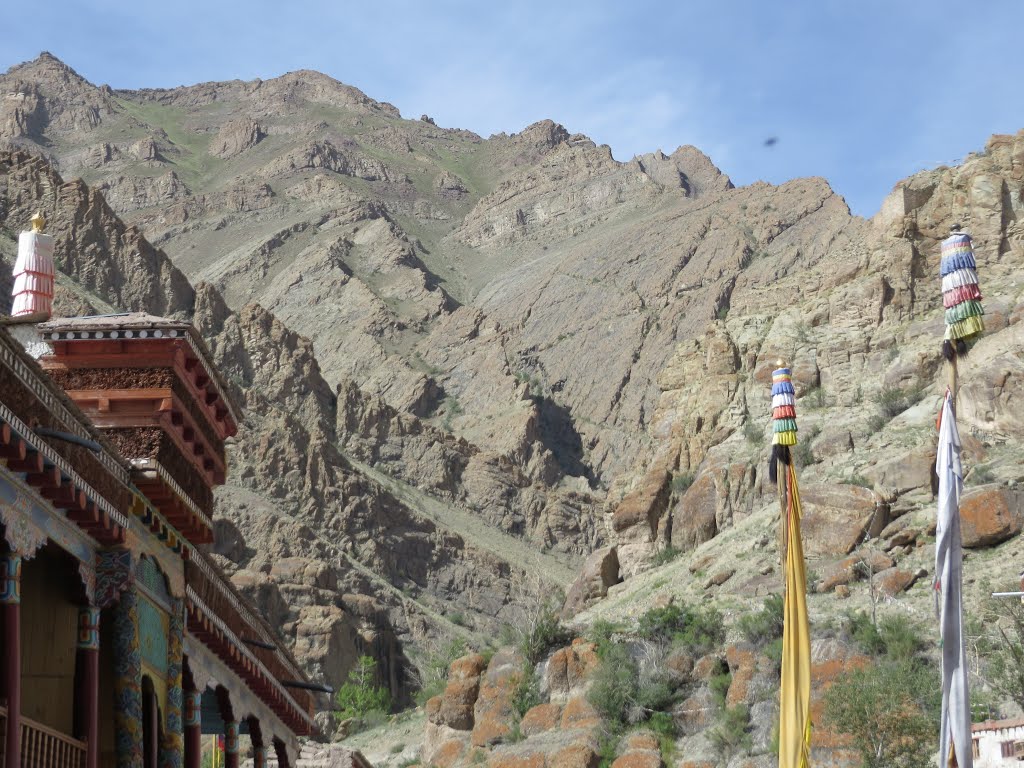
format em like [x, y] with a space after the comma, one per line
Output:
[795, 699]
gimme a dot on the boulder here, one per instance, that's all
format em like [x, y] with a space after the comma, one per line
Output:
[569, 668]
[695, 713]
[455, 707]
[905, 472]
[579, 713]
[892, 581]
[853, 568]
[836, 518]
[599, 572]
[493, 712]
[541, 718]
[990, 515]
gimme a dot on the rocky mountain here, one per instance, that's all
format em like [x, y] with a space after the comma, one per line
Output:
[469, 362]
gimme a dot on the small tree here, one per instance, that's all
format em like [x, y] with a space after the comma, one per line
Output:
[359, 697]
[1004, 647]
[889, 709]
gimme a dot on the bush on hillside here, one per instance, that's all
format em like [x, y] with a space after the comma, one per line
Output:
[696, 630]
[763, 627]
[359, 699]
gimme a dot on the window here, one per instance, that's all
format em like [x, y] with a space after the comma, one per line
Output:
[1006, 748]
[975, 748]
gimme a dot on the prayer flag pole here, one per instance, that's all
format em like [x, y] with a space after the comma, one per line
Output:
[795, 688]
[961, 298]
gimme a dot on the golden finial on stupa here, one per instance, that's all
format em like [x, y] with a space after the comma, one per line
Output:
[38, 222]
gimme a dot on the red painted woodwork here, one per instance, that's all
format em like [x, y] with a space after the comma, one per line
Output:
[11, 666]
[87, 702]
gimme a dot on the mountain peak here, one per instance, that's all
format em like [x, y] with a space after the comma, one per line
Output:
[47, 67]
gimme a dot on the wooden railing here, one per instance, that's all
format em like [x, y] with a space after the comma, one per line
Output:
[43, 747]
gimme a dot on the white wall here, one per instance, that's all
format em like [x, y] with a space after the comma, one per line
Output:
[990, 752]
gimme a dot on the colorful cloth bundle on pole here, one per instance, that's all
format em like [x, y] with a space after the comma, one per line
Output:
[961, 295]
[795, 691]
[783, 419]
[33, 273]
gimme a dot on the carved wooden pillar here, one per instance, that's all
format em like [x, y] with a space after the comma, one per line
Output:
[128, 682]
[87, 695]
[230, 744]
[10, 600]
[193, 728]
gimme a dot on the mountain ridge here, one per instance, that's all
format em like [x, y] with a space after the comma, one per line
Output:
[569, 348]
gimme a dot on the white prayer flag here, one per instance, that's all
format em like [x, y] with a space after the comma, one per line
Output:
[955, 730]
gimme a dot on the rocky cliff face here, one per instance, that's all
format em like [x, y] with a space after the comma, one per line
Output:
[466, 358]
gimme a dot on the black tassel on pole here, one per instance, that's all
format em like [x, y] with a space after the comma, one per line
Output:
[947, 350]
[780, 453]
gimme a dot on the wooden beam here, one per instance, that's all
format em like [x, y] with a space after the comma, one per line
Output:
[50, 476]
[33, 462]
[16, 449]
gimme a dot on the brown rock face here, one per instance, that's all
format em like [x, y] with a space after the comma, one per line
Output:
[235, 137]
[600, 571]
[990, 515]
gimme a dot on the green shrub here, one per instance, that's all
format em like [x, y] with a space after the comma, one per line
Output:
[664, 727]
[681, 481]
[611, 691]
[860, 480]
[773, 651]
[359, 699]
[698, 630]
[666, 555]
[894, 637]
[608, 747]
[900, 637]
[891, 402]
[543, 632]
[815, 399]
[803, 454]
[623, 692]
[452, 409]
[753, 433]
[864, 633]
[514, 735]
[661, 624]
[600, 633]
[981, 474]
[526, 695]
[766, 625]
[730, 735]
[719, 685]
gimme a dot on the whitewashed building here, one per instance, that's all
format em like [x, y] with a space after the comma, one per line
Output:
[998, 742]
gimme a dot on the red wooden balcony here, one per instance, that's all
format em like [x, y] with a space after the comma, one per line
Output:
[43, 747]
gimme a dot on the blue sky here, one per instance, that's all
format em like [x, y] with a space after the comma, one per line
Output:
[861, 92]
